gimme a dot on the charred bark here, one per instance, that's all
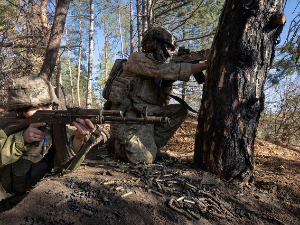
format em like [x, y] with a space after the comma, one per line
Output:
[233, 98]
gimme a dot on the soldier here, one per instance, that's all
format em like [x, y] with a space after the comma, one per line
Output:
[146, 81]
[26, 156]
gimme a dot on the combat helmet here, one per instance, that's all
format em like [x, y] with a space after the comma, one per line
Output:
[30, 91]
[156, 35]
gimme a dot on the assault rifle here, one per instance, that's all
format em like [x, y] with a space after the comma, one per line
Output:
[58, 119]
[186, 56]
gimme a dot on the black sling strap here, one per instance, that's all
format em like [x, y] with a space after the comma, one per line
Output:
[183, 103]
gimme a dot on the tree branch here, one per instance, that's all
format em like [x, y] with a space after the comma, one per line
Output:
[186, 19]
[170, 9]
[196, 38]
[13, 45]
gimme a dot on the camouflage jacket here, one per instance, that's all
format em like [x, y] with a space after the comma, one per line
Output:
[141, 81]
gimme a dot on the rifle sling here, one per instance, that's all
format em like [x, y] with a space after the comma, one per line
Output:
[84, 149]
[182, 102]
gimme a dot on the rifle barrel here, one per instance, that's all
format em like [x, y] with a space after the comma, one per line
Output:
[148, 119]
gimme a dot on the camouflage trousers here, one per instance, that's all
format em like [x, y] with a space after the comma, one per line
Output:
[139, 143]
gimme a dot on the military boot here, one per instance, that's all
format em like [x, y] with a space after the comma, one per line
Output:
[161, 156]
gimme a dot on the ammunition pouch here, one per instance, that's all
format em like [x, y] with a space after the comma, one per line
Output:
[146, 90]
[125, 104]
[22, 175]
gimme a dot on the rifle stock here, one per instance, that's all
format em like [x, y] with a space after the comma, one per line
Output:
[59, 118]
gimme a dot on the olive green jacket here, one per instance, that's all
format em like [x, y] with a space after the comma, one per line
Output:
[22, 165]
[12, 148]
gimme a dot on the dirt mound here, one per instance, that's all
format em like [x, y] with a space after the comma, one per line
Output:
[107, 191]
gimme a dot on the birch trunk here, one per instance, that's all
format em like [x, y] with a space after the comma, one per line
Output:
[90, 63]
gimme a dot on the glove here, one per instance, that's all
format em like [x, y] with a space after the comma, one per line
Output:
[200, 77]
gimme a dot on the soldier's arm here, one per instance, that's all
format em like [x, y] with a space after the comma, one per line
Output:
[83, 128]
[140, 64]
[199, 67]
[12, 147]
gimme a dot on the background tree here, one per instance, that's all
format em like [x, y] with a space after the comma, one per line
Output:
[78, 26]
[55, 39]
[278, 121]
[23, 39]
[287, 61]
[242, 54]
[91, 49]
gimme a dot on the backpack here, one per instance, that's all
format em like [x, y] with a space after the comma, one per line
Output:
[115, 71]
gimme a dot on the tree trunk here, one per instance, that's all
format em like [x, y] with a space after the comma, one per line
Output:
[144, 15]
[131, 26]
[58, 78]
[44, 22]
[106, 43]
[233, 98]
[183, 90]
[79, 55]
[120, 29]
[150, 16]
[70, 70]
[79, 65]
[139, 24]
[90, 64]
[55, 38]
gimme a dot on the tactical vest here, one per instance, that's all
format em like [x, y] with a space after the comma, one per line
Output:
[17, 178]
[117, 88]
[136, 91]
[21, 175]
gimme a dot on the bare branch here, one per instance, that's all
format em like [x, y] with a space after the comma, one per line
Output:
[196, 38]
[186, 19]
[13, 45]
[171, 9]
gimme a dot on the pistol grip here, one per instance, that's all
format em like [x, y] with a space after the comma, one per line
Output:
[43, 128]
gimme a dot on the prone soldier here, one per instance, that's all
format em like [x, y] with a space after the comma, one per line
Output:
[28, 154]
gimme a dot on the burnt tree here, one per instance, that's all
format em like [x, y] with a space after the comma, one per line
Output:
[242, 54]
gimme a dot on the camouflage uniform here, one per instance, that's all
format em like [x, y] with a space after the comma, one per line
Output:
[138, 87]
[22, 165]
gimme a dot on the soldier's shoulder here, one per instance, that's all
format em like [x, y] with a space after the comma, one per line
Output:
[136, 55]
[141, 56]
[7, 115]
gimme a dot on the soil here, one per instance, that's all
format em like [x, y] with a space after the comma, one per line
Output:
[105, 190]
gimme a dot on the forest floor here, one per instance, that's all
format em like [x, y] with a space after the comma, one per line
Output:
[105, 190]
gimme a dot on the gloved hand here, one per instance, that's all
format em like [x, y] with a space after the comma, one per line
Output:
[200, 77]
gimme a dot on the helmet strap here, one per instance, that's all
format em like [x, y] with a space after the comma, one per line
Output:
[164, 51]
[161, 54]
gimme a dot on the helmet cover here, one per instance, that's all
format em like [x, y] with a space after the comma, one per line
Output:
[158, 35]
[30, 91]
